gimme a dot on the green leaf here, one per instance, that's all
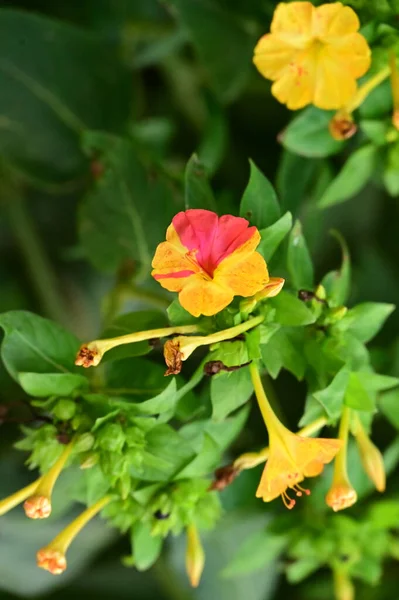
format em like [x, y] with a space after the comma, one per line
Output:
[115, 213]
[365, 320]
[179, 315]
[352, 178]
[146, 547]
[259, 203]
[198, 192]
[42, 385]
[57, 82]
[230, 391]
[376, 131]
[168, 453]
[308, 134]
[35, 345]
[213, 31]
[299, 262]
[255, 553]
[285, 350]
[337, 283]
[299, 169]
[131, 323]
[332, 397]
[272, 236]
[357, 395]
[163, 402]
[136, 377]
[290, 310]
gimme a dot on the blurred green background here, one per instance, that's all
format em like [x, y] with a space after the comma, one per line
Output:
[177, 76]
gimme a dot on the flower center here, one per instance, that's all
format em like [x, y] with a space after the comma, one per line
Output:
[191, 257]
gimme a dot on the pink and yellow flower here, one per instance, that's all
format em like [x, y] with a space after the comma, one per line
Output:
[209, 260]
[314, 55]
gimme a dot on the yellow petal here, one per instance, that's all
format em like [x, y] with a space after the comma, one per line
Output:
[334, 20]
[334, 85]
[296, 87]
[244, 278]
[351, 52]
[293, 22]
[272, 55]
[204, 297]
[278, 474]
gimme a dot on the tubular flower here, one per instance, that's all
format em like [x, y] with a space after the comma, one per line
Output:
[209, 260]
[291, 457]
[313, 55]
[341, 495]
[52, 558]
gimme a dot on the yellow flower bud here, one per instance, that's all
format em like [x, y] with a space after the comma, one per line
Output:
[371, 457]
[195, 556]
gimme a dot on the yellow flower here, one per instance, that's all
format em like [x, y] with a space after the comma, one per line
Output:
[313, 55]
[291, 457]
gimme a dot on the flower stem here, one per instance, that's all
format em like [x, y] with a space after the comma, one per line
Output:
[63, 540]
[48, 480]
[232, 332]
[340, 465]
[18, 497]
[365, 89]
[271, 421]
[141, 336]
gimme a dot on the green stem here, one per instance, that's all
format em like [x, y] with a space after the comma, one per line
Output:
[271, 421]
[232, 332]
[39, 267]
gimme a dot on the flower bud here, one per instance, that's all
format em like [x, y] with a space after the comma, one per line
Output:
[195, 556]
[343, 586]
[84, 442]
[64, 409]
[271, 289]
[111, 437]
[371, 457]
[89, 461]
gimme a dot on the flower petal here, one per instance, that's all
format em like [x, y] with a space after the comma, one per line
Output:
[210, 237]
[334, 85]
[293, 22]
[272, 55]
[296, 86]
[244, 277]
[278, 474]
[334, 20]
[204, 297]
[351, 52]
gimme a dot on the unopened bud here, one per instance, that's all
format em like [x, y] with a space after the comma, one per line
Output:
[84, 442]
[37, 507]
[90, 461]
[343, 586]
[195, 556]
[64, 409]
[371, 457]
[271, 289]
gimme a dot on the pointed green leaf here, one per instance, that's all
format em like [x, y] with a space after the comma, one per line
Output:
[352, 178]
[259, 203]
[337, 283]
[273, 235]
[299, 262]
[308, 134]
[365, 320]
[290, 310]
[42, 385]
[146, 547]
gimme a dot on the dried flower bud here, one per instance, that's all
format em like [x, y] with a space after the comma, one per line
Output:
[173, 357]
[88, 356]
[224, 476]
[342, 126]
[340, 496]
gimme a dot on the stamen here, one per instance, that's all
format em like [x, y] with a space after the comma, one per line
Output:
[299, 490]
[288, 502]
